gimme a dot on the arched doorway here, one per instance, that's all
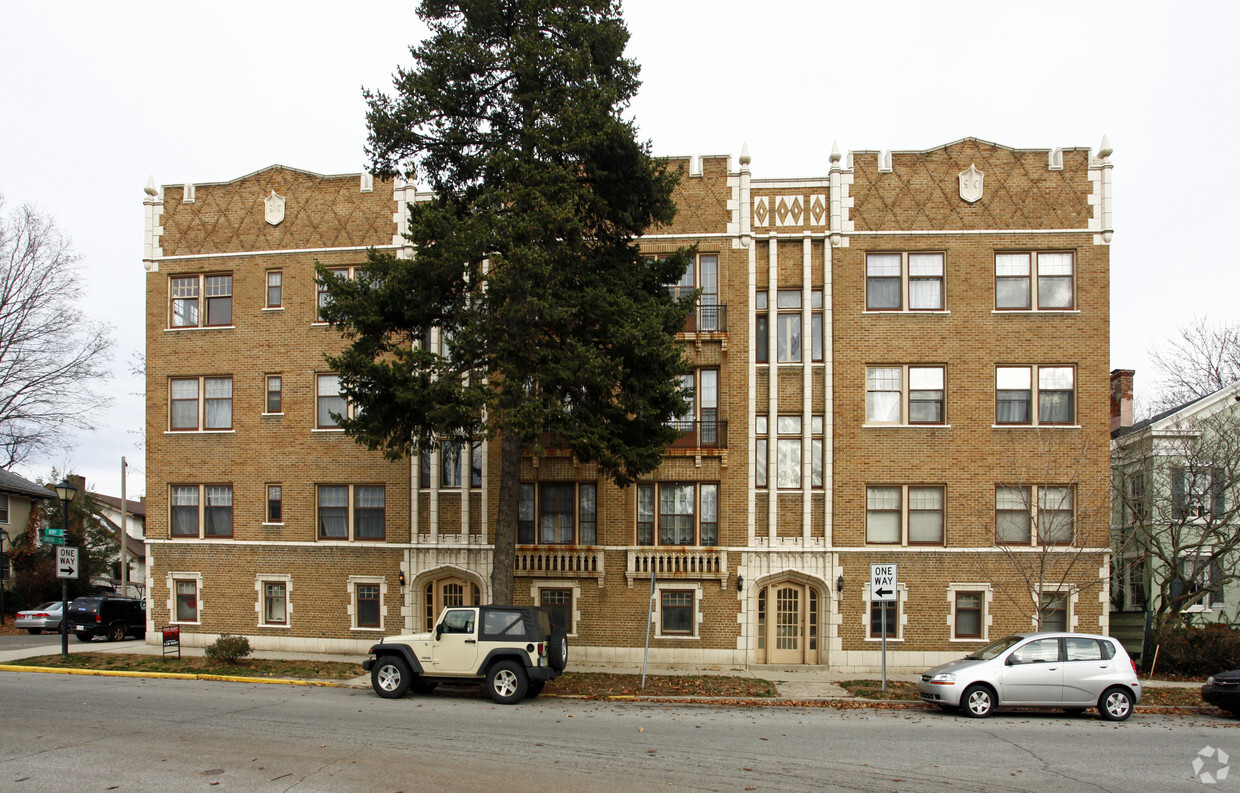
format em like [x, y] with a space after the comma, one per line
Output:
[788, 623]
[450, 590]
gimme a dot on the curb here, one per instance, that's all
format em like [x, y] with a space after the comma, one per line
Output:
[282, 681]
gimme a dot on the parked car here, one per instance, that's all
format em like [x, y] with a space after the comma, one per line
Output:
[43, 618]
[113, 617]
[1072, 671]
[1223, 690]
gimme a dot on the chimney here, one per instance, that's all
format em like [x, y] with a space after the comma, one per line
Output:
[1121, 398]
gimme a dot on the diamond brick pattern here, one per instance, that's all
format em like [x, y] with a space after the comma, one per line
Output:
[922, 191]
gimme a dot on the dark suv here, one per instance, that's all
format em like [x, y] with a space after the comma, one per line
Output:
[113, 617]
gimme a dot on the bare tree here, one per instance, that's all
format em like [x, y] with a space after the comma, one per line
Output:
[1179, 510]
[1046, 508]
[53, 358]
[1203, 358]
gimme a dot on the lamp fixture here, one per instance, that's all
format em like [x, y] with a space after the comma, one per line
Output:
[740, 582]
[401, 577]
[839, 583]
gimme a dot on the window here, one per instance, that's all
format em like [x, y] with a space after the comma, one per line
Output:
[342, 272]
[1015, 397]
[559, 602]
[450, 465]
[1197, 493]
[1199, 577]
[1053, 607]
[275, 289]
[368, 606]
[761, 452]
[888, 610]
[702, 273]
[788, 330]
[1079, 649]
[687, 514]
[1018, 522]
[208, 506]
[201, 300]
[904, 394]
[968, 617]
[275, 603]
[186, 599]
[1016, 273]
[700, 390]
[275, 402]
[329, 401]
[352, 511]
[896, 280]
[789, 452]
[189, 412]
[4, 509]
[558, 513]
[904, 515]
[275, 504]
[1038, 651]
[676, 611]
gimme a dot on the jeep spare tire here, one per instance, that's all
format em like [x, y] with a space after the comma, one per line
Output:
[557, 650]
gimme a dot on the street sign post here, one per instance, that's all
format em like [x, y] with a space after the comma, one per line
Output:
[66, 562]
[884, 588]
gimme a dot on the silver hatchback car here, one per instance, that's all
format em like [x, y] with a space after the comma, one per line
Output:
[1072, 671]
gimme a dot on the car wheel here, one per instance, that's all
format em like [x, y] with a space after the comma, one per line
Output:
[557, 651]
[978, 701]
[1115, 704]
[506, 683]
[83, 636]
[34, 631]
[534, 688]
[116, 633]
[419, 686]
[1074, 711]
[390, 677]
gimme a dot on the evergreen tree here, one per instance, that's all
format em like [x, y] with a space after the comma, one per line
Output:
[526, 262]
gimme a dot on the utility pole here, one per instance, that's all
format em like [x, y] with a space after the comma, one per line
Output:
[123, 539]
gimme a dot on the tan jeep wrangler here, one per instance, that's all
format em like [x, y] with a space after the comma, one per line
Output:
[514, 650]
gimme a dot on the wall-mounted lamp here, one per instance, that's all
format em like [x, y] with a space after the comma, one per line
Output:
[839, 583]
[401, 576]
[740, 582]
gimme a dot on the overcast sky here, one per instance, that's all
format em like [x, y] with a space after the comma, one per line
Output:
[97, 97]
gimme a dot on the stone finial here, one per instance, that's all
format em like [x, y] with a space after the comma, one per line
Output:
[1105, 149]
[745, 158]
[835, 152]
[150, 187]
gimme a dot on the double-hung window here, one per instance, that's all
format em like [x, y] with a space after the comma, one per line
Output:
[201, 300]
[676, 607]
[275, 504]
[904, 515]
[702, 273]
[909, 281]
[1035, 281]
[700, 390]
[355, 512]
[450, 473]
[1052, 402]
[186, 599]
[1197, 492]
[275, 289]
[323, 298]
[329, 400]
[274, 402]
[788, 326]
[207, 506]
[677, 514]
[969, 608]
[1200, 575]
[558, 513]
[1035, 514]
[907, 394]
[275, 603]
[200, 403]
[790, 452]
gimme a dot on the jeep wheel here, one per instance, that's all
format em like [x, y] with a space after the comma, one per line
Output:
[506, 683]
[83, 636]
[390, 677]
[419, 686]
[116, 633]
[557, 651]
[534, 688]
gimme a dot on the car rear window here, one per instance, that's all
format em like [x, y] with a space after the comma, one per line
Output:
[1083, 649]
[503, 625]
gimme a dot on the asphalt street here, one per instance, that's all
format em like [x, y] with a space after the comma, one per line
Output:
[75, 733]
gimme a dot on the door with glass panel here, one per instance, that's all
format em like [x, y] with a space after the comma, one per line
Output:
[788, 623]
[445, 593]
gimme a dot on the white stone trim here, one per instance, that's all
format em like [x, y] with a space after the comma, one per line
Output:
[287, 580]
[656, 613]
[351, 587]
[988, 595]
[171, 577]
[560, 583]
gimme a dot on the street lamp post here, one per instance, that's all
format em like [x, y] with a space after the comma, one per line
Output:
[4, 565]
[66, 492]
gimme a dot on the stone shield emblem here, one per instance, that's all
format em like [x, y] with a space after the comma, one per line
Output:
[274, 210]
[971, 184]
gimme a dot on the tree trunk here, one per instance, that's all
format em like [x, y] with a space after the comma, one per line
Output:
[507, 514]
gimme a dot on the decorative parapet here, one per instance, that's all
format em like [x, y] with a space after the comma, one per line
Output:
[153, 210]
[559, 563]
[1100, 194]
[702, 564]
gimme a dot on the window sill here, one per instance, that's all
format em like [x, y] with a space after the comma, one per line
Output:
[265, 523]
[1038, 311]
[270, 415]
[902, 312]
[327, 429]
[273, 308]
[1035, 426]
[368, 630]
[677, 636]
[183, 622]
[199, 327]
[284, 626]
[967, 641]
[910, 426]
[890, 639]
[200, 432]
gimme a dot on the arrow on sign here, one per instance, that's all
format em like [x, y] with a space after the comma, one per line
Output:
[882, 593]
[66, 571]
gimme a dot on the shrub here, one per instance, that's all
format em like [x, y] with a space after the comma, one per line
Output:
[228, 649]
[1196, 652]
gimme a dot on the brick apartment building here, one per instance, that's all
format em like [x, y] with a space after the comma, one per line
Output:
[903, 361]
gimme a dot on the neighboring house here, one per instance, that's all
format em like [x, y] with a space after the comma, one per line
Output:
[1175, 516]
[109, 508]
[882, 343]
[17, 494]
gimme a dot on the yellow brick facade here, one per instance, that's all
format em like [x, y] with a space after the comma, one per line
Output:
[784, 577]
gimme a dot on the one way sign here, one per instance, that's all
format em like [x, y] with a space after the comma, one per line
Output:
[883, 582]
[66, 562]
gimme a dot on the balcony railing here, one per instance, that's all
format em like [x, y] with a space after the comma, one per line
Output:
[710, 434]
[549, 562]
[708, 564]
[708, 318]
